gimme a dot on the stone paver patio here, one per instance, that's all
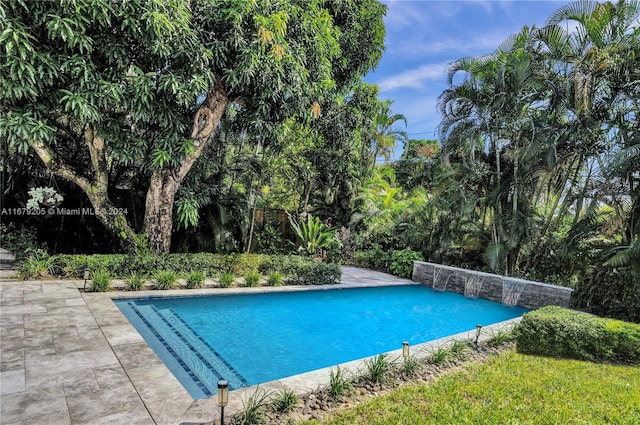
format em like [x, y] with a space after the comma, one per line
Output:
[69, 357]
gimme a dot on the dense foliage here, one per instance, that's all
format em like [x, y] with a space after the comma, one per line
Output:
[559, 332]
[130, 94]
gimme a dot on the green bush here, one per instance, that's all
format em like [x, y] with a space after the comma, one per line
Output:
[376, 258]
[317, 274]
[38, 264]
[610, 292]
[21, 242]
[226, 279]
[136, 282]
[339, 383]
[195, 280]
[284, 401]
[165, 279]
[100, 281]
[252, 279]
[559, 332]
[402, 262]
[275, 279]
[378, 368]
[122, 265]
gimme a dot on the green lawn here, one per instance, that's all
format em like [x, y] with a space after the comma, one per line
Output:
[511, 389]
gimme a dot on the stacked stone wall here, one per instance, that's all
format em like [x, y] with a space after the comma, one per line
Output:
[504, 289]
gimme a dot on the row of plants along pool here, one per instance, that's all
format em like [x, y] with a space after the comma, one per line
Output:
[165, 271]
[548, 332]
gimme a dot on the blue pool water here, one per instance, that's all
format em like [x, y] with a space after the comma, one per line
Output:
[255, 338]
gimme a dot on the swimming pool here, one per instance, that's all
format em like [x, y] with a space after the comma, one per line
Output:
[255, 338]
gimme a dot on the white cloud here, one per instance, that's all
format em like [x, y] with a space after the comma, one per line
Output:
[414, 78]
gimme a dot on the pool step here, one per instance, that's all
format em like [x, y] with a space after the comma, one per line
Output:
[185, 350]
[208, 360]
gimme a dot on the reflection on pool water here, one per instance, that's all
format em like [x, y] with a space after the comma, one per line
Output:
[254, 338]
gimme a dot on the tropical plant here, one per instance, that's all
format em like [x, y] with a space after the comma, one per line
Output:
[38, 264]
[275, 279]
[440, 355]
[21, 242]
[411, 367]
[339, 383]
[313, 234]
[226, 279]
[385, 135]
[195, 280]
[284, 401]
[458, 349]
[378, 368]
[252, 279]
[402, 262]
[136, 282]
[500, 337]
[254, 408]
[165, 279]
[100, 281]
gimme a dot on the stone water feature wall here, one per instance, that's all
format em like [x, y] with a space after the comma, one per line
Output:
[506, 290]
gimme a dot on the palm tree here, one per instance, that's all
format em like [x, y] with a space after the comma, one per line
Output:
[385, 134]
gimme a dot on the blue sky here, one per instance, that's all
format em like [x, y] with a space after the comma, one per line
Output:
[423, 36]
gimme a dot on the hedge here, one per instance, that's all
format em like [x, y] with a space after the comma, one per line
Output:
[299, 269]
[560, 332]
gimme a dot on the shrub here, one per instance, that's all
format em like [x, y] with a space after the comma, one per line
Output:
[333, 250]
[610, 292]
[500, 337]
[378, 368]
[402, 262]
[560, 332]
[254, 408]
[275, 279]
[252, 279]
[317, 274]
[135, 282]
[100, 281]
[458, 349]
[165, 279]
[376, 258]
[38, 264]
[440, 355]
[411, 367]
[20, 242]
[284, 401]
[339, 384]
[226, 279]
[195, 280]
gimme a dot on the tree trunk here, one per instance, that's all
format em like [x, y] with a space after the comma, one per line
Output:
[164, 184]
[95, 189]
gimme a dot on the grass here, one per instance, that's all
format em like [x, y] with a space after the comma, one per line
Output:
[511, 388]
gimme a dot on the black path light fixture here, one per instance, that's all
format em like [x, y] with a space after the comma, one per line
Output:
[405, 349]
[478, 330]
[85, 275]
[223, 397]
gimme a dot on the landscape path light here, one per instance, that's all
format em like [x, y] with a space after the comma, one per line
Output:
[478, 330]
[405, 349]
[86, 276]
[223, 397]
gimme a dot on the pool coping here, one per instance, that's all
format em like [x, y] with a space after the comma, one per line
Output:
[168, 402]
